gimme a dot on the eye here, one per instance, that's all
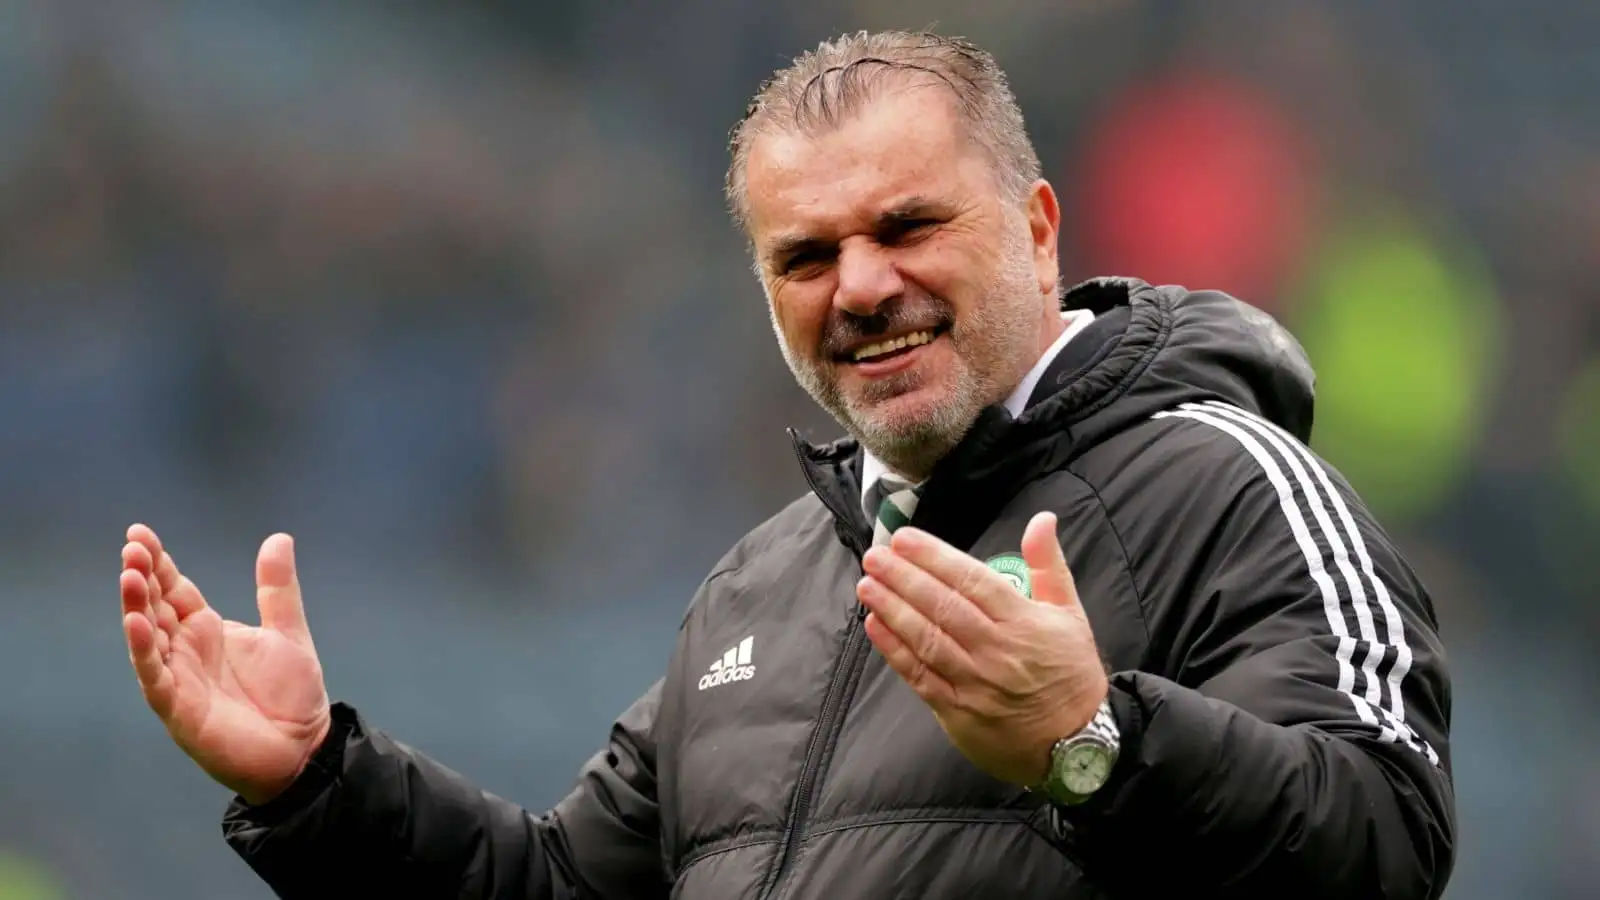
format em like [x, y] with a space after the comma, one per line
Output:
[904, 229]
[805, 262]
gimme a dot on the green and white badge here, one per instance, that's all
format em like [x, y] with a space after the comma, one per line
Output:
[1015, 570]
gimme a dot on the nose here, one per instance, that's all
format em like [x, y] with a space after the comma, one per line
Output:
[867, 277]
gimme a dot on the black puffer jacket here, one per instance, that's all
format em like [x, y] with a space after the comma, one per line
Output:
[1277, 675]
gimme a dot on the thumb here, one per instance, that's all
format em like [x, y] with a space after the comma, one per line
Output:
[278, 588]
[1041, 549]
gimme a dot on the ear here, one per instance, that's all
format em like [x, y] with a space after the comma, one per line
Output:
[1044, 226]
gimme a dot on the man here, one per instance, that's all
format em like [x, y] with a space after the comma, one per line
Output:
[1073, 612]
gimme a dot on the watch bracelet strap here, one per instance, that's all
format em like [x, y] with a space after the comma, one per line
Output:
[1103, 726]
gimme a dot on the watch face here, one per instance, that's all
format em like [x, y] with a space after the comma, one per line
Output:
[1084, 768]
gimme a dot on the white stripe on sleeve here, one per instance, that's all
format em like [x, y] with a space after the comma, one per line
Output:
[1295, 453]
[1368, 704]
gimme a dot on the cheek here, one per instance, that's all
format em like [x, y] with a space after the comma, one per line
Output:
[944, 272]
[801, 313]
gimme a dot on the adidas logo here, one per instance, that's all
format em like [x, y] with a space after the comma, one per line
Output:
[733, 666]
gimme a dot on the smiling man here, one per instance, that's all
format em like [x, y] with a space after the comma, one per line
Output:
[908, 293]
[1072, 612]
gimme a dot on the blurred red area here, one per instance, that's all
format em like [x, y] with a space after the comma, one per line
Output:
[1197, 180]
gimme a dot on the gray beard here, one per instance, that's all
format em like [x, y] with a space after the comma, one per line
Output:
[996, 345]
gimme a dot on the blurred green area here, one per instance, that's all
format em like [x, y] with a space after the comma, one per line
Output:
[22, 878]
[1402, 320]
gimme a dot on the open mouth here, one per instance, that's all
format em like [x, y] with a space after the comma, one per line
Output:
[890, 348]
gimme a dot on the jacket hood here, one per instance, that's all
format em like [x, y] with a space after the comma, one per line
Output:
[1150, 349]
[1178, 346]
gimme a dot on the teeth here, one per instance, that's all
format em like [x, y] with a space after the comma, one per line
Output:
[915, 339]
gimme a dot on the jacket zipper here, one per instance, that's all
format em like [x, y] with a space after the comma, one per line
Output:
[829, 724]
[835, 703]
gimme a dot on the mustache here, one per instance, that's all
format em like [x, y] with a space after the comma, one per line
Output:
[844, 330]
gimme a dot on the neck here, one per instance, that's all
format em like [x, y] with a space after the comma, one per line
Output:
[919, 460]
[1052, 325]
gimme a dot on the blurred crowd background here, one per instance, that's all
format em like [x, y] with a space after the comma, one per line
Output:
[448, 292]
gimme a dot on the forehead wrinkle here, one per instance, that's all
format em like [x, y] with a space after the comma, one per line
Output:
[807, 180]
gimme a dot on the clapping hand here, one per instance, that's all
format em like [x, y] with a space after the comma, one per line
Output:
[246, 703]
[1005, 675]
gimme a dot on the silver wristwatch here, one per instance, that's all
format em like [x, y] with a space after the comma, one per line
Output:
[1081, 763]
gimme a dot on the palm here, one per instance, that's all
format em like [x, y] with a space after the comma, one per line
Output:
[244, 698]
[246, 703]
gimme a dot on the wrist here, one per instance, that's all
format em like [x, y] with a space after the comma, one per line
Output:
[323, 752]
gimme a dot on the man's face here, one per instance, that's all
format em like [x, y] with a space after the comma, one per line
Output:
[907, 291]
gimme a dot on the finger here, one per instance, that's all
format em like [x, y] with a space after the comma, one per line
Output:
[278, 588]
[136, 559]
[927, 642]
[148, 641]
[165, 569]
[985, 587]
[164, 616]
[136, 556]
[134, 586]
[178, 590]
[1041, 550]
[937, 601]
[139, 557]
[135, 593]
[155, 679]
[928, 684]
[145, 536]
[142, 596]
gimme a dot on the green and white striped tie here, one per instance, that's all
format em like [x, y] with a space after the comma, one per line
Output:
[896, 502]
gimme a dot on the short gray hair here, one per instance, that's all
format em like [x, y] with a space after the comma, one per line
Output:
[822, 87]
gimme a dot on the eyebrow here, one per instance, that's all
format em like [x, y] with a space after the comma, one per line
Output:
[908, 210]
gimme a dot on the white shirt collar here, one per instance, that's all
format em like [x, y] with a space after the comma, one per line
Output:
[1077, 320]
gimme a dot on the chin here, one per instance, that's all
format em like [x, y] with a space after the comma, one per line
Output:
[907, 405]
[921, 417]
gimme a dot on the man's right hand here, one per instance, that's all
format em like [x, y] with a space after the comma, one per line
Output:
[246, 703]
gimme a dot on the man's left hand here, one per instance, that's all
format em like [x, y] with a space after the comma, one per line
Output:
[1005, 675]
